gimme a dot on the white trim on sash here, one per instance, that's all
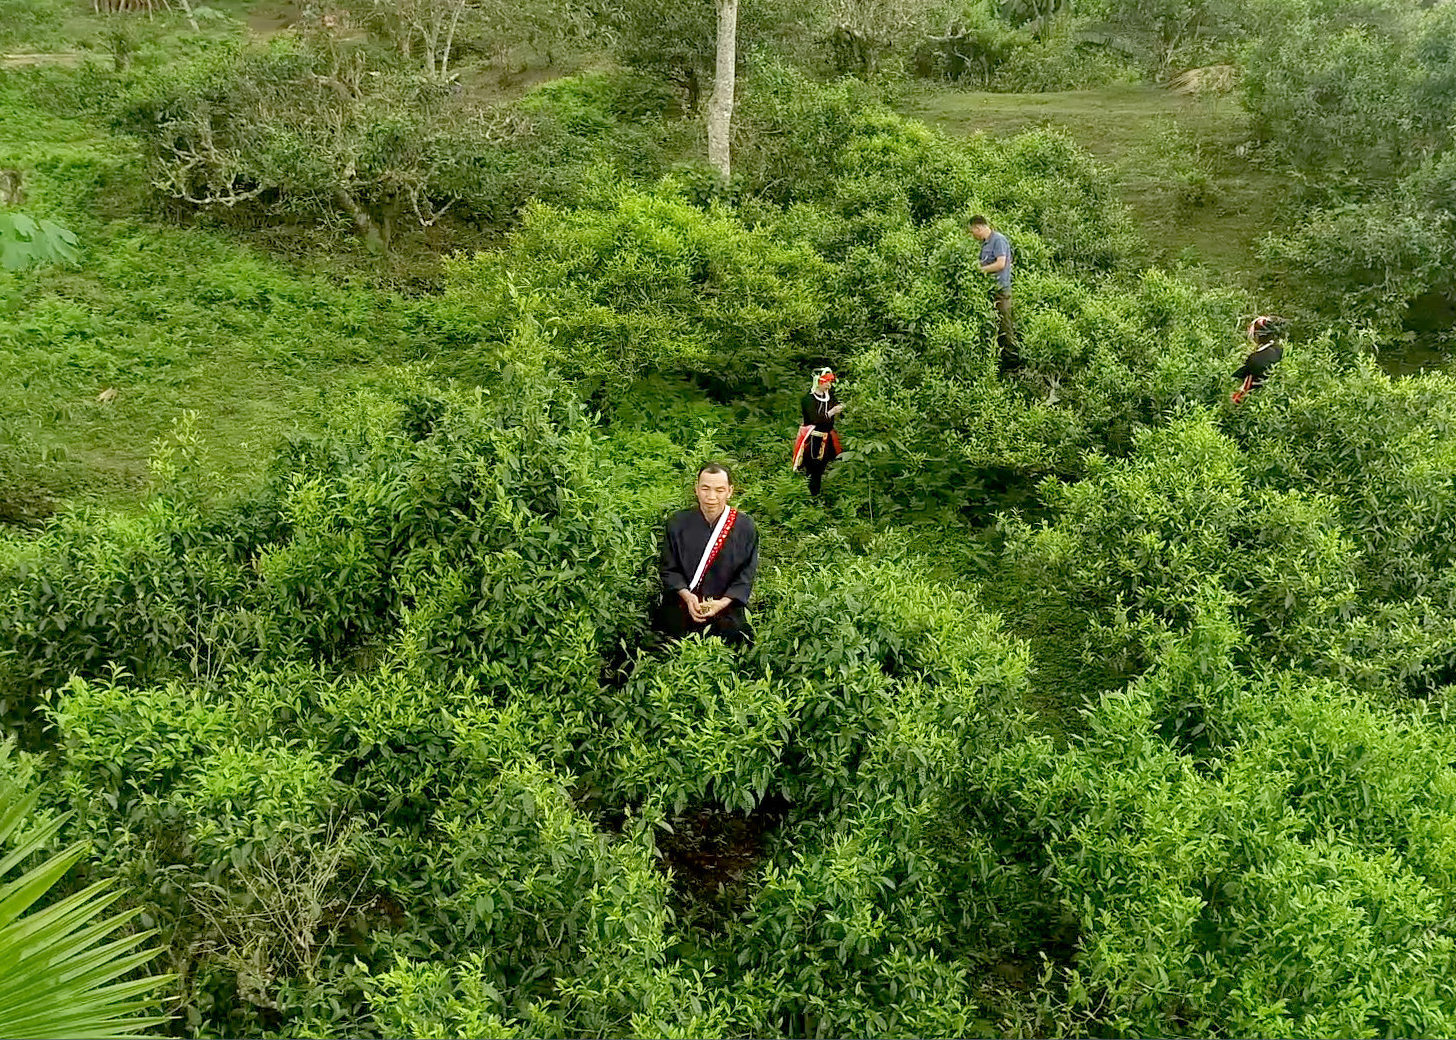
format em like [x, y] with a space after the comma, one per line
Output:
[708, 552]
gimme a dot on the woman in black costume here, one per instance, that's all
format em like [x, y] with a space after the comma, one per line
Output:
[817, 444]
[1266, 332]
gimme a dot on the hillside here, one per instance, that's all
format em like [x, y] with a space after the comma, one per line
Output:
[1084, 701]
[1187, 165]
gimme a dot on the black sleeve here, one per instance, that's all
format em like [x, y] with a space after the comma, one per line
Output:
[810, 412]
[673, 579]
[742, 586]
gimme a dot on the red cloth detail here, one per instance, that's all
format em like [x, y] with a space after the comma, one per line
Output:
[797, 458]
[718, 545]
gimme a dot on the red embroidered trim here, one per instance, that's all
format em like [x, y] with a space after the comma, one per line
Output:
[718, 545]
[799, 443]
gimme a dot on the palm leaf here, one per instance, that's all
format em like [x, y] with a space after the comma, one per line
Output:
[57, 971]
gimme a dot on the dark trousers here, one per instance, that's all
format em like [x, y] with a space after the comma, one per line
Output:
[1006, 331]
[731, 625]
[815, 466]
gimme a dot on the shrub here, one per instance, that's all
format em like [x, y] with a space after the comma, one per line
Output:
[846, 663]
[1190, 872]
[1183, 520]
[1064, 56]
[342, 137]
[848, 938]
[152, 595]
[1367, 261]
[645, 284]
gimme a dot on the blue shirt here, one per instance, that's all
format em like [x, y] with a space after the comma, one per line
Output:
[997, 245]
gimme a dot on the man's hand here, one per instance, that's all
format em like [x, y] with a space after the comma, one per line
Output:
[712, 607]
[701, 610]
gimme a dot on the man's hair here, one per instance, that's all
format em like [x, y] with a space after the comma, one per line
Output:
[978, 221]
[715, 467]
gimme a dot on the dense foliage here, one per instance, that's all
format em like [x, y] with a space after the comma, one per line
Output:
[1357, 98]
[1084, 703]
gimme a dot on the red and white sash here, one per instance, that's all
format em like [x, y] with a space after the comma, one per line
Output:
[726, 520]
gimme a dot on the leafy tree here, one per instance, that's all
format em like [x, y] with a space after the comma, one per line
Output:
[969, 42]
[426, 27]
[720, 102]
[1339, 104]
[1355, 94]
[1034, 12]
[323, 131]
[1164, 33]
[680, 40]
[1367, 261]
[862, 33]
[313, 130]
[1355, 98]
[1291, 590]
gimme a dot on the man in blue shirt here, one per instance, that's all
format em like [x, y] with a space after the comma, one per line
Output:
[996, 260]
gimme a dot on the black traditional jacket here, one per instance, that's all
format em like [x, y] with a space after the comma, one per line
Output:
[733, 571]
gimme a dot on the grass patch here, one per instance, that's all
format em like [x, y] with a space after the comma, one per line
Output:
[98, 361]
[96, 364]
[1183, 164]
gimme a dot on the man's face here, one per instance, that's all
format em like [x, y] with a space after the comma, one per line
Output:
[981, 231]
[713, 491]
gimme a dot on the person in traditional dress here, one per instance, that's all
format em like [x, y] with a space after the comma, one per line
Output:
[1267, 333]
[709, 561]
[817, 444]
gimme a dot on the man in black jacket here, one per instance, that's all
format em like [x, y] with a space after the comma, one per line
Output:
[709, 561]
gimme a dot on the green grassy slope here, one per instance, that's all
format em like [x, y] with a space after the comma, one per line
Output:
[172, 320]
[1183, 163]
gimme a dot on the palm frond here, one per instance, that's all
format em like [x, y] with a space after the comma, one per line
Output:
[57, 971]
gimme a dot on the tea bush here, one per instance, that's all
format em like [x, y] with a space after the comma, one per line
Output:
[645, 284]
[863, 687]
[1173, 521]
[848, 939]
[1189, 872]
[1383, 452]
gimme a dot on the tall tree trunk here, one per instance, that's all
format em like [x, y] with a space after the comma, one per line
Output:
[450, 38]
[720, 105]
